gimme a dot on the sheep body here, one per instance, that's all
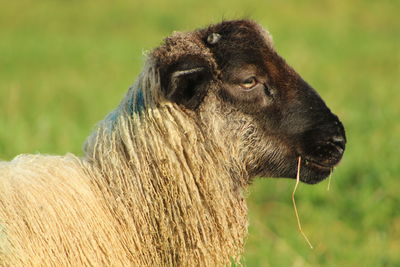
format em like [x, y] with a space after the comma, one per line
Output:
[163, 178]
[111, 209]
[52, 214]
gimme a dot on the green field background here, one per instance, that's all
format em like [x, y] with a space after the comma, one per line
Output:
[65, 64]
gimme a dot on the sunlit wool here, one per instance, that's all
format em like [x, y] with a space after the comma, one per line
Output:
[153, 189]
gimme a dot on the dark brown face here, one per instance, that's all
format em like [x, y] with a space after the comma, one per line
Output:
[281, 117]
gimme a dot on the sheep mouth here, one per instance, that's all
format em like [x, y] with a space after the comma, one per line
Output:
[320, 159]
[314, 164]
[320, 165]
[313, 172]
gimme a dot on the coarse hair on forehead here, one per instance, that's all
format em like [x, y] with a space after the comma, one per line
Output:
[200, 43]
[247, 31]
[268, 36]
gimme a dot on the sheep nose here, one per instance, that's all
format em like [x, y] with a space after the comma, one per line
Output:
[339, 141]
[328, 152]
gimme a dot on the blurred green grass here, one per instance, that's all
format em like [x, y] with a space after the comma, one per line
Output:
[65, 64]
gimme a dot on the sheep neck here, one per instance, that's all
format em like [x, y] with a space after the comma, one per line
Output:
[174, 192]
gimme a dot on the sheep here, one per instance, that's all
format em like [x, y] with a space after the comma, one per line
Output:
[163, 178]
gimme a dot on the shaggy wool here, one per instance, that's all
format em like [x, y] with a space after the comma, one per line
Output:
[154, 188]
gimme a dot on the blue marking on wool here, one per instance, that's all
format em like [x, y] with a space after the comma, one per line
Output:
[113, 116]
[139, 101]
[131, 109]
[135, 108]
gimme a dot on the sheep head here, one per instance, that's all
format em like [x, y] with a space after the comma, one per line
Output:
[230, 79]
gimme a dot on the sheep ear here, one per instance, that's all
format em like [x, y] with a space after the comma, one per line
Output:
[186, 82]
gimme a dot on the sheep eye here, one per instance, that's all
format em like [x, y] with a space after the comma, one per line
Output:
[249, 83]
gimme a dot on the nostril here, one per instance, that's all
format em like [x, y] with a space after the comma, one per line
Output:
[338, 139]
[339, 142]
